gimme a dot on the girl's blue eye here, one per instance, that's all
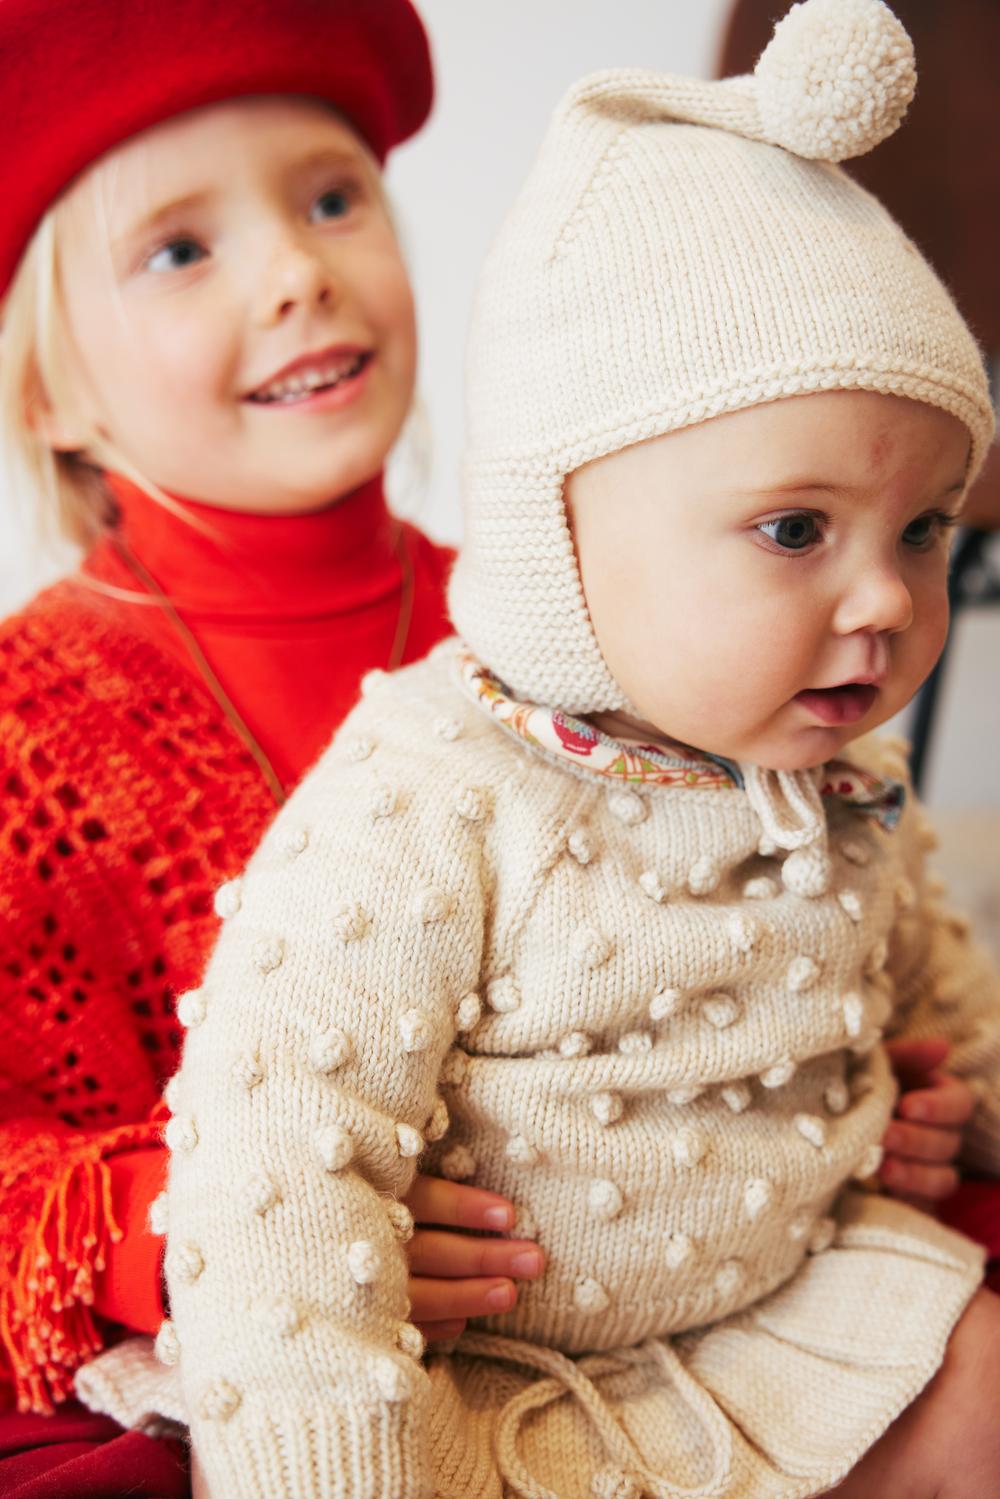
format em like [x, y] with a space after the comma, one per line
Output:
[334, 204]
[792, 533]
[176, 255]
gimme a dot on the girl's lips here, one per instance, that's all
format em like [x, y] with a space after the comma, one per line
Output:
[327, 397]
[839, 705]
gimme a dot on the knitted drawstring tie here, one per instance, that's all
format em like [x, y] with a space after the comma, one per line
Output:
[790, 809]
[626, 1476]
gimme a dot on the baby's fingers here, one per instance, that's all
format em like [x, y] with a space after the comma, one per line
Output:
[917, 1183]
[922, 1142]
[948, 1102]
[433, 1300]
[452, 1205]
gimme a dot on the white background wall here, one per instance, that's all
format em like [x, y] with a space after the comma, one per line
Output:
[501, 70]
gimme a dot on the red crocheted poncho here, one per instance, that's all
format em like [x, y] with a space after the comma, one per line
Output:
[126, 799]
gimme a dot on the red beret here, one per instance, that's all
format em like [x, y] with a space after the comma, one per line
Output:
[78, 77]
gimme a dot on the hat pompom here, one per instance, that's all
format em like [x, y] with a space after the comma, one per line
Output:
[836, 78]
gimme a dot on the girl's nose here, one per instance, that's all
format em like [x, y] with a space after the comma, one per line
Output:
[878, 601]
[294, 278]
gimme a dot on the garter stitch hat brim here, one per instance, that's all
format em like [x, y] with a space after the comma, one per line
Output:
[684, 249]
[78, 77]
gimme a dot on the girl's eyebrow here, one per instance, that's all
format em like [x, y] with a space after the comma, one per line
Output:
[175, 207]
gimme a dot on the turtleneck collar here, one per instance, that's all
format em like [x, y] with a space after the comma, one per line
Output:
[228, 565]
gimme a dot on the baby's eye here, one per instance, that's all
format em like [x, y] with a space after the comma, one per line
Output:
[792, 533]
[926, 529]
[176, 255]
[335, 203]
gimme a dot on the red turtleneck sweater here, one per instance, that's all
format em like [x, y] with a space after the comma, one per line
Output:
[125, 799]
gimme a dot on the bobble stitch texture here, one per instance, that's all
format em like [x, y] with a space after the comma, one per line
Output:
[836, 1097]
[811, 1128]
[854, 1014]
[409, 1141]
[432, 904]
[454, 1068]
[850, 904]
[172, 1093]
[247, 1071]
[758, 1195]
[267, 954]
[280, 1315]
[349, 922]
[192, 1009]
[614, 1483]
[729, 1277]
[359, 749]
[836, 79]
[521, 1151]
[590, 1296]
[605, 1200]
[761, 888]
[802, 974]
[400, 1219]
[364, 1262]
[392, 1380]
[737, 1096]
[437, 1125]
[580, 847]
[384, 803]
[472, 804]
[448, 729]
[334, 1147]
[781, 1073]
[185, 1261]
[458, 1163]
[525, 1226]
[503, 996]
[704, 876]
[628, 806]
[219, 1400]
[167, 1346]
[649, 884]
[689, 1147]
[410, 1340]
[607, 1108]
[743, 932]
[720, 1010]
[591, 947]
[576, 1044]
[869, 1163]
[807, 872]
[330, 1050]
[468, 1012]
[260, 1193]
[181, 1134]
[416, 1030]
[372, 680]
[294, 841]
[157, 1215]
[228, 899]
[664, 1003]
[684, 1095]
[677, 1250]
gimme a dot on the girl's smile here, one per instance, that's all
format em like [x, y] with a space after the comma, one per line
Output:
[257, 282]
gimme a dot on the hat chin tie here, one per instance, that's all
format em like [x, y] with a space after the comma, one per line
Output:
[790, 809]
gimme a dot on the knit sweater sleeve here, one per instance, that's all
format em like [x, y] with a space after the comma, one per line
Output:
[947, 984]
[307, 1090]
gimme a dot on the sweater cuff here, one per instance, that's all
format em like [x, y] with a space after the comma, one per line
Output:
[129, 1289]
[316, 1451]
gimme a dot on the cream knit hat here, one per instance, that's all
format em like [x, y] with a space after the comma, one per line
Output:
[655, 273]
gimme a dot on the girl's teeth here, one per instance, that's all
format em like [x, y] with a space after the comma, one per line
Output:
[314, 379]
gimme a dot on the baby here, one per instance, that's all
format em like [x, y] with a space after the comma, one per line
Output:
[516, 927]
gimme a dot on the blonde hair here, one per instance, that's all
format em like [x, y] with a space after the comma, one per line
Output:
[65, 492]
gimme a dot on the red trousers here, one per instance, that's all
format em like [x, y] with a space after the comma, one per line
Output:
[74, 1455]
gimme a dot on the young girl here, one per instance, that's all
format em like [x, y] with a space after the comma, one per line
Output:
[514, 926]
[216, 308]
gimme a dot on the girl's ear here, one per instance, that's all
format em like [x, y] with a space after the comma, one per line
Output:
[58, 429]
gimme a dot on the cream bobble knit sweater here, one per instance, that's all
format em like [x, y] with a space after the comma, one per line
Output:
[605, 1002]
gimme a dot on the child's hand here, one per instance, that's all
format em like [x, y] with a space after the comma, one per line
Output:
[926, 1133]
[458, 1275]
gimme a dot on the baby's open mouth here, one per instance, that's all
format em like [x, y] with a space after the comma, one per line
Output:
[839, 705]
[300, 384]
